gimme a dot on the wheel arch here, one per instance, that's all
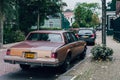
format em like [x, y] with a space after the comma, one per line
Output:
[69, 53]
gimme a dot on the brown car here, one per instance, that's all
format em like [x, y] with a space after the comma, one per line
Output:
[46, 48]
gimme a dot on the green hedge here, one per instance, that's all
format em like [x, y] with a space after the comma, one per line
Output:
[13, 36]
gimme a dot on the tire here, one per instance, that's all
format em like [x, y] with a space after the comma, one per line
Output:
[66, 65]
[93, 43]
[83, 54]
[24, 66]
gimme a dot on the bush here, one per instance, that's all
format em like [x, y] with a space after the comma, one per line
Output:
[101, 52]
[75, 25]
[19, 36]
[13, 36]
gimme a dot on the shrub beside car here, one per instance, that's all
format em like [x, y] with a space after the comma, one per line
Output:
[101, 52]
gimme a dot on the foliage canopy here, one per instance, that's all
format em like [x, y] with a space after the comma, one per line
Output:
[86, 14]
[18, 16]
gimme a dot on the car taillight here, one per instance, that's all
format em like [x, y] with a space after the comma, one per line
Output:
[8, 52]
[77, 35]
[93, 35]
[53, 55]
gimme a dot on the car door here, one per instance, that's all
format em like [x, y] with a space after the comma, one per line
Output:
[77, 45]
[72, 44]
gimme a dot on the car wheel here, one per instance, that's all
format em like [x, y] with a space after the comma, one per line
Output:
[24, 66]
[83, 54]
[93, 43]
[66, 65]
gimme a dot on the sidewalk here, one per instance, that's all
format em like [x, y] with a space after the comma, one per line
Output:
[97, 70]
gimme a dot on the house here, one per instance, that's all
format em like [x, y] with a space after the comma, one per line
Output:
[57, 22]
[69, 16]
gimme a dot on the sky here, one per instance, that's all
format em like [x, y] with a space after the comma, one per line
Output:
[71, 3]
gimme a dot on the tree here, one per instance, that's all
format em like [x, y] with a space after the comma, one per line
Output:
[75, 25]
[6, 7]
[84, 14]
[24, 14]
[95, 20]
[35, 10]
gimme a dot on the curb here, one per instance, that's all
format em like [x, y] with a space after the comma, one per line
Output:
[69, 77]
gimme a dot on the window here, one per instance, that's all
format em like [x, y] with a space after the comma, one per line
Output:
[70, 37]
[85, 32]
[55, 38]
[51, 24]
[71, 20]
[74, 37]
[52, 37]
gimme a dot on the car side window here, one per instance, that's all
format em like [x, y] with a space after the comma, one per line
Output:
[70, 38]
[67, 37]
[74, 37]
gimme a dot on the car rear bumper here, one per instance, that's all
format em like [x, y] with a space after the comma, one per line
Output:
[88, 40]
[39, 61]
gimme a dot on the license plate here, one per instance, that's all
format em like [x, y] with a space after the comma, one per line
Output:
[85, 36]
[29, 55]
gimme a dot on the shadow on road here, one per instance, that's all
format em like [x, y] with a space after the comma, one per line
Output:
[35, 73]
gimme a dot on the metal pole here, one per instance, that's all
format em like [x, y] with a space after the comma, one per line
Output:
[1, 29]
[1, 34]
[104, 22]
[61, 13]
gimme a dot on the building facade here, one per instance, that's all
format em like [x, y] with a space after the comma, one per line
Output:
[69, 16]
[59, 22]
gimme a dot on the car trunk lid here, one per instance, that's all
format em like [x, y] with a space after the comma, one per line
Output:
[36, 49]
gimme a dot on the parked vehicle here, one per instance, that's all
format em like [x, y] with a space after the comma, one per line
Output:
[88, 35]
[46, 48]
[99, 28]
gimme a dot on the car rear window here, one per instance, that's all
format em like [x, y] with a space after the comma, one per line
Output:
[85, 32]
[52, 37]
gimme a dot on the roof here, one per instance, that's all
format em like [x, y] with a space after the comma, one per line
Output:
[68, 14]
[49, 31]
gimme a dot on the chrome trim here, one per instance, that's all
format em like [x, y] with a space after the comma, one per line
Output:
[39, 61]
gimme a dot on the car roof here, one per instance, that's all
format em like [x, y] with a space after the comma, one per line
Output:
[50, 31]
[87, 29]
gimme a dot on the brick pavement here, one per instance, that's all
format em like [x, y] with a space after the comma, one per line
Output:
[98, 70]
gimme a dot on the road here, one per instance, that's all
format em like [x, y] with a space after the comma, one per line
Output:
[13, 71]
